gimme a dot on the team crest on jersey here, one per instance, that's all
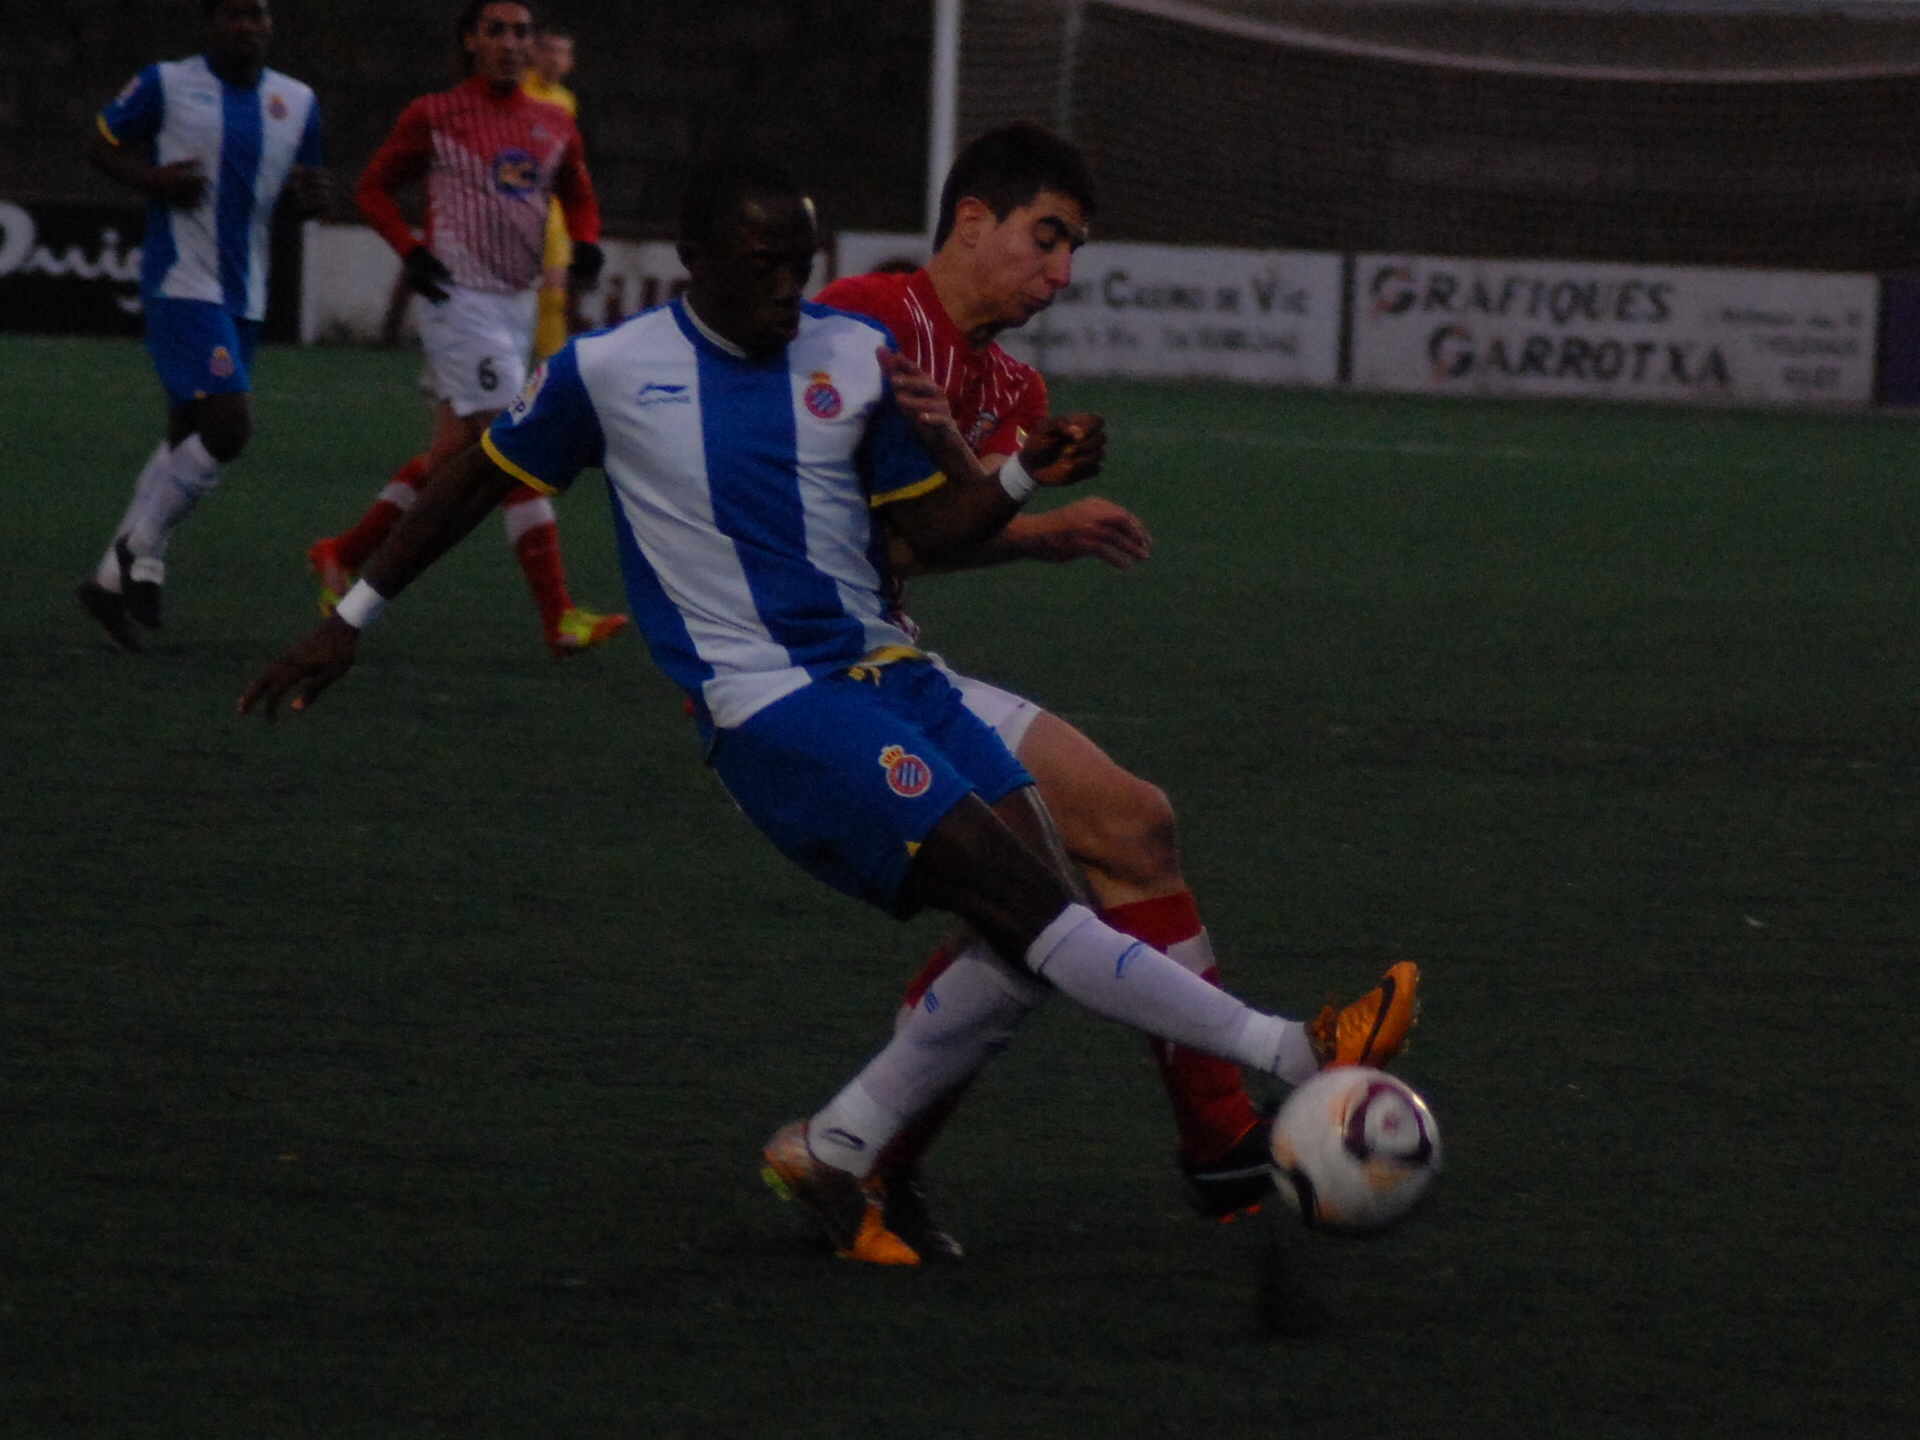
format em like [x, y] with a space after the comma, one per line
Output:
[221, 362]
[524, 404]
[515, 172]
[276, 107]
[982, 427]
[908, 776]
[822, 400]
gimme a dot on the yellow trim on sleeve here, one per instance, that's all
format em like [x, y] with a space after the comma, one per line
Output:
[907, 492]
[101, 121]
[532, 482]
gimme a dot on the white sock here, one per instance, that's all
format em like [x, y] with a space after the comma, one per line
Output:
[1127, 980]
[1297, 1060]
[188, 475]
[107, 575]
[964, 1019]
[852, 1131]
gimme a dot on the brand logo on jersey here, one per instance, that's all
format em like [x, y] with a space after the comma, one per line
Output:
[524, 404]
[221, 362]
[515, 172]
[276, 107]
[656, 393]
[822, 400]
[908, 776]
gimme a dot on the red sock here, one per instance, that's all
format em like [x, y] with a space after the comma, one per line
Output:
[1211, 1108]
[355, 545]
[539, 553]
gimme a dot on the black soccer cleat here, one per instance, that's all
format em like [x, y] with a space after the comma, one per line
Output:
[904, 1204]
[140, 597]
[111, 611]
[1238, 1182]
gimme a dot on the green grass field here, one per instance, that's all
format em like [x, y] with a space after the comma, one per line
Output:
[401, 1070]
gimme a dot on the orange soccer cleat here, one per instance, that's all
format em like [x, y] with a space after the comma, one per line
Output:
[1372, 1029]
[847, 1209]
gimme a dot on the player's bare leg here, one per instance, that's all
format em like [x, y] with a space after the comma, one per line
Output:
[203, 437]
[1007, 874]
[1121, 832]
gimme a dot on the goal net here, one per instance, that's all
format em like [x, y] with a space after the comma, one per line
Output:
[1765, 139]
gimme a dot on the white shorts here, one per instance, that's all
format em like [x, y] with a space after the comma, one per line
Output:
[1005, 713]
[477, 345]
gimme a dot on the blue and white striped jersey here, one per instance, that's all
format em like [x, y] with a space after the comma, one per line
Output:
[246, 141]
[743, 491]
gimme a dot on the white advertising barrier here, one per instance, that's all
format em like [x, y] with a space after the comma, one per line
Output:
[349, 277]
[1624, 332]
[347, 287]
[1171, 311]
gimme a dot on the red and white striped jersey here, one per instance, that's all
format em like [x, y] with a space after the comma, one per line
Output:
[490, 161]
[994, 397]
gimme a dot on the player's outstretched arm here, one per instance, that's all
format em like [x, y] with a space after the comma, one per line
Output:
[461, 494]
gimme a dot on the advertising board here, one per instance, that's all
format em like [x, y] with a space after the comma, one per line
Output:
[70, 269]
[1607, 331]
[1176, 311]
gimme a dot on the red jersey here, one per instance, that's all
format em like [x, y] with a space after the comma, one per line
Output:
[994, 397]
[490, 162]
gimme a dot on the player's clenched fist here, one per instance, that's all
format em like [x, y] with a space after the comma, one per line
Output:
[1065, 450]
[318, 658]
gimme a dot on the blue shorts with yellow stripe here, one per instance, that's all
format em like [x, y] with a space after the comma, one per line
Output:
[850, 774]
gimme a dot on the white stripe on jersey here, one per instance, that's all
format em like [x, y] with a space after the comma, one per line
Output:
[644, 381]
[192, 128]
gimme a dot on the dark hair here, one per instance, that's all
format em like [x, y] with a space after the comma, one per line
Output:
[210, 8]
[469, 21]
[718, 190]
[1008, 167]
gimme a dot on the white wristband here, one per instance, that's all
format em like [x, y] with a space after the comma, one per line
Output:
[1015, 480]
[360, 605]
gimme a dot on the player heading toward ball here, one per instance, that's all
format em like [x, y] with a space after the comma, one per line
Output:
[491, 156]
[749, 439]
[211, 141]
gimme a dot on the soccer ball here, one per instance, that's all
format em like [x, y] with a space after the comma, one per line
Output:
[1354, 1150]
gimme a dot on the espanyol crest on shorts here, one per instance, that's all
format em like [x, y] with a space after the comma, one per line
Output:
[908, 776]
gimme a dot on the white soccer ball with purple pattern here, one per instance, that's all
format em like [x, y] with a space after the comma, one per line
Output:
[1354, 1150]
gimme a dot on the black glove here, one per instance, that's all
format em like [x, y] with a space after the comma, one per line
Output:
[426, 275]
[588, 261]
